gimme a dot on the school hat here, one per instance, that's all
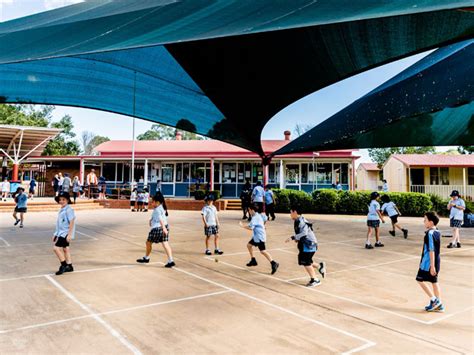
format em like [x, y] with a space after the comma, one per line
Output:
[65, 195]
[209, 198]
[374, 194]
[454, 193]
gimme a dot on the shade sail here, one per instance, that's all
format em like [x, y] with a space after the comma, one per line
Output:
[215, 67]
[430, 103]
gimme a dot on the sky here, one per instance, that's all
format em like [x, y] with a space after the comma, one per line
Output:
[309, 110]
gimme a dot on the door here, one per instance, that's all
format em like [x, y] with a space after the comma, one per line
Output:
[417, 182]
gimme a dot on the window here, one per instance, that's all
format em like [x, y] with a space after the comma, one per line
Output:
[241, 173]
[439, 176]
[257, 173]
[186, 172]
[470, 176]
[179, 172]
[304, 173]
[292, 173]
[247, 171]
[216, 172]
[108, 171]
[444, 176]
[341, 173]
[167, 172]
[119, 171]
[324, 173]
[274, 173]
[197, 172]
[228, 173]
[311, 173]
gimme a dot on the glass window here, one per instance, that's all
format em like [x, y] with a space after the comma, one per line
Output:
[248, 172]
[257, 173]
[119, 171]
[179, 172]
[167, 172]
[228, 173]
[197, 172]
[108, 171]
[324, 173]
[434, 176]
[26, 175]
[271, 174]
[126, 172]
[207, 172]
[444, 176]
[341, 173]
[216, 172]
[304, 173]
[292, 173]
[470, 176]
[240, 173]
[186, 177]
[311, 173]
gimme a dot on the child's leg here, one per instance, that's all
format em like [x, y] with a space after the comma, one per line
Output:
[21, 217]
[310, 270]
[216, 241]
[436, 290]
[67, 255]
[377, 234]
[168, 251]
[207, 242]
[250, 249]
[426, 289]
[267, 255]
[397, 226]
[369, 234]
[457, 235]
[14, 216]
[149, 247]
[59, 253]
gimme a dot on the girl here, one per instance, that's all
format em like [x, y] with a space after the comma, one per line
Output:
[393, 213]
[21, 201]
[140, 200]
[373, 221]
[65, 229]
[133, 199]
[76, 188]
[146, 200]
[159, 232]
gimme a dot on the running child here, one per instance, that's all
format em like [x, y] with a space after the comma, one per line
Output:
[211, 225]
[430, 263]
[140, 200]
[259, 237]
[373, 221]
[21, 205]
[146, 200]
[64, 233]
[31, 192]
[456, 207]
[307, 246]
[269, 202]
[159, 232]
[133, 199]
[393, 212]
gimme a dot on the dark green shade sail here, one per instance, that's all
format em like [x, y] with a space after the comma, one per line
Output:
[219, 68]
[430, 103]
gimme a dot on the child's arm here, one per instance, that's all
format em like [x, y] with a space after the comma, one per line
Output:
[163, 226]
[381, 216]
[398, 211]
[432, 263]
[450, 204]
[244, 226]
[217, 220]
[71, 229]
[204, 220]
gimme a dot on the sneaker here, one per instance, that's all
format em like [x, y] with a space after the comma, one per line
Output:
[275, 266]
[69, 268]
[440, 308]
[450, 245]
[218, 252]
[244, 217]
[17, 221]
[322, 269]
[170, 264]
[252, 262]
[434, 305]
[392, 233]
[314, 283]
[458, 245]
[379, 245]
[21, 226]
[143, 260]
[133, 210]
[369, 246]
[208, 252]
[62, 270]
[405, 233]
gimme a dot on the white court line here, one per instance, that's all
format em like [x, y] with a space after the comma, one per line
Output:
[86, 235]
[6, 243]
[46, 324]
[368, 343]
[450, 315]
[40, 243]
[102, 322]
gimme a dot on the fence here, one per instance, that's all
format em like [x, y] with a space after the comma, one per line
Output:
[467, 192]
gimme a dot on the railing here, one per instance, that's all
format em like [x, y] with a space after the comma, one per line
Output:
[445, 190]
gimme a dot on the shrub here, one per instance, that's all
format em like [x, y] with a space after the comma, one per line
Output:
[325, 201]
[411, 203]
[216, 194]
[199, 195]
[353, 202]
[282, 200]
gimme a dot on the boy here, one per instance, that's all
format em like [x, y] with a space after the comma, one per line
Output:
[307, 246]
[259, 237]
[140, 200]
[21, 201]
[258, 194]
[64, 233]
[456, 209]
[430, 263]
[31, 192]
[159, 232]
[393, 213]
[5, 189]
[269, 202]
[211, 225]
[373, 221]
[245, 198]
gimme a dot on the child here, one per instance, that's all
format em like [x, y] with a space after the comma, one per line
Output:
[21, 201]
[159, 232]
[373, 221]
[211, 225]
[269, 202]
[456, 209]
[393, 213]
[133, 199]
[140, 200]
[65, 229]
[31, 192]
[146, 199]
[5, 189]
[259, 237]
[307, 246]
[430, 263]
[258, 194]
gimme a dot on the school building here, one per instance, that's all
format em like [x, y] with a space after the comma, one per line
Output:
[431, 173]
[176, 166]
[368, 177]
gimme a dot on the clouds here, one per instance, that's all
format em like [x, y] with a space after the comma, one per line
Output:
[53, 4]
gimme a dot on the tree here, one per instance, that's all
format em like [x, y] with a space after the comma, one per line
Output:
[162, 132]
[301, 129]
[63, 144]
[90, 140]
[380, 155]
[466, 149]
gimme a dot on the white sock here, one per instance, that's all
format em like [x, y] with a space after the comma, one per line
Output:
[433, 298]
[170, 260]
[367, 242]
[146, 257]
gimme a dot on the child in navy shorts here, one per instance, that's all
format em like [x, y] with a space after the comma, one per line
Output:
[211, 225]
[64, 233]
[393, 213]
[373, 221]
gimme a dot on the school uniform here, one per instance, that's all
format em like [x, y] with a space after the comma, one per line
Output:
[373, 220]
[146, 200]
[209, 212]
[32, 186]
[21, 203]
[307, 242]
[456, 216]
[269, 205]
[431, 242]
[389, 208]
[65, 216]
[156, 234]
[258, 195]
[133, 199]
[259, 235]
[140, 200]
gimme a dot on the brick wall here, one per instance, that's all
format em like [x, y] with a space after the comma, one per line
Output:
[172, 204]
[72, 168]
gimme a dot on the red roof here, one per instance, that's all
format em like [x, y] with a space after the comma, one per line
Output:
[201, 148]
[370, 166]
[441, 160]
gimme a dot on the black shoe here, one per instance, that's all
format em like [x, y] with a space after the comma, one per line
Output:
[208, 252]
[17, 221]
[133, 210]
[170, 264]
[458, 245]
[143, 260]
[62, 270]
[369, 246]
[244, 217]
[275, 266]
[252, 262]
[21, 226]
[218, 252]
[273, 218]
[405, 233]
[322, 269]
[379, 245]
[392, 233]
[69, 268]
[451, 245]
[145, 210]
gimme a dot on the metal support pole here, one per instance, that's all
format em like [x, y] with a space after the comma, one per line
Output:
[211, 173]
[132, 183]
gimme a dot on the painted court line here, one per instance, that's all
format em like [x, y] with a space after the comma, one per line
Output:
[102, 322]
[86, 235]
[4, 241]
[367, 343]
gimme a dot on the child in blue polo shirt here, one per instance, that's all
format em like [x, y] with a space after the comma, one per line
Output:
[269, 203]
[64, 233]
[259, 236]
[456, 207]
[373, 221]
[430, 263]
[21, 202]
[211, 225]
[393, 213]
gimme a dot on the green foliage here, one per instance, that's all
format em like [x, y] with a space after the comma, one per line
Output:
[63, 144]
[90, 140]
[199, 194]
[353, 202]
[216, 194]
[162, 132]
[466, 149]
[282, 200]
[325, 201]
[380, 155]
[287, 198]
